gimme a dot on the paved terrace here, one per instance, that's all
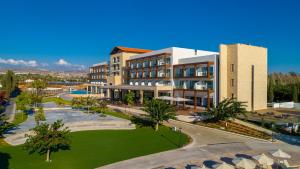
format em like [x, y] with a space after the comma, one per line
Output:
[209, 146]
[74, 119]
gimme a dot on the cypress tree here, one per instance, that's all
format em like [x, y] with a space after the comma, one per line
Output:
[295, 93]
[9, 82]
[270, 89]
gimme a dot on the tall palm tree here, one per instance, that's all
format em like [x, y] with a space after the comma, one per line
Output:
[159, 111]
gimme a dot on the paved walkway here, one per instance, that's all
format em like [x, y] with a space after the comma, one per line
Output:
[209, 146]
[10, 110]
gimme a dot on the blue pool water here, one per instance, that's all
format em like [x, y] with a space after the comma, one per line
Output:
[79, 92]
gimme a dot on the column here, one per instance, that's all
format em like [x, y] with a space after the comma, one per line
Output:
[195, 100]
[108, 93]
[87, 89]
[141, 96]
[183, 96]
[96, 89]
[208, 99]
[155, 93]
[101, 92]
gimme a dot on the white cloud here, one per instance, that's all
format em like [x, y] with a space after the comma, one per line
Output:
[31, 63]
[63, 62]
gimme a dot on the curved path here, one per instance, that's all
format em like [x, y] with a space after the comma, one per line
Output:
[208, 144]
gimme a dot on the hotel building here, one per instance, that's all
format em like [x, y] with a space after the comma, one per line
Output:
[203, 78]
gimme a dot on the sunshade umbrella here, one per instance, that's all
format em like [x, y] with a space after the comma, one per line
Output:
[280, 154]
[223, 166]
[244, 163]
[264, 160]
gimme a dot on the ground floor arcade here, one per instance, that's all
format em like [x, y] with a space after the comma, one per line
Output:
[195, 99]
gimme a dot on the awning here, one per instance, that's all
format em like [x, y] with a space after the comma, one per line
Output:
[176, 99]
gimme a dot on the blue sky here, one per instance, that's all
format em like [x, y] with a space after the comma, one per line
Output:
[83, 32]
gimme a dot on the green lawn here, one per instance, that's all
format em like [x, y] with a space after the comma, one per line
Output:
[19, 118]
[56, 100]
[90, 149]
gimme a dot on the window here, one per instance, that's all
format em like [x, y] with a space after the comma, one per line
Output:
[232, 67]
[232, 95]
[232, 82]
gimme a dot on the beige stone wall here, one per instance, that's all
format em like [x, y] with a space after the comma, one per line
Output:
[223, 93]
[243, 57]
[118, 80]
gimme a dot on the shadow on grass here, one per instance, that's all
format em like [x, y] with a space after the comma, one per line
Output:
[142, 122]
[179, 142]
[4, 160]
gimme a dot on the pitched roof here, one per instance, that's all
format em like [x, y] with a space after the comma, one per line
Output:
[118, 49]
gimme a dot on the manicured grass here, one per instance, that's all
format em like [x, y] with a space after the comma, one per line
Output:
[57, 100]
[20, 118]
[2, 144]
[91, 149]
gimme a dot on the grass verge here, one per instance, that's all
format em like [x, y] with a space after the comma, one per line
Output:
[57, 100]
[20, 118]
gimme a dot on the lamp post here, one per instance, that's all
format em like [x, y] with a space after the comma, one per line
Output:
[179, 145]
[272, 127]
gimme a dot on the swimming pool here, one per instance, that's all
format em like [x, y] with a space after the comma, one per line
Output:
[79, 92]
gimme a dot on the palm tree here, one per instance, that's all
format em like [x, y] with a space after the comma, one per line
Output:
[159, 111]
[48, 138]
[227, 109]
[89, 102]
[102, 105]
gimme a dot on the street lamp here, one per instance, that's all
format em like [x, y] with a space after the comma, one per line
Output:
[179, 130]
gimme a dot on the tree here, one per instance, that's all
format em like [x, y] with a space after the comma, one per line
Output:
[227, 109]
[129, 98]
[3, 123]
[295, 93]
[102, 105]
[23, 102]
[76, 104]
[36, 99]
[159, 111]
[9, 82]
[39, 115]
[48, 138]
[89, 102]
[39, 85]
[270, 89]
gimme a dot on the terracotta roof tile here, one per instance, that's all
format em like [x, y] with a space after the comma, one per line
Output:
[133, 50]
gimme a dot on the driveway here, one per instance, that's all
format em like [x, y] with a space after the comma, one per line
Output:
[209, 146]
